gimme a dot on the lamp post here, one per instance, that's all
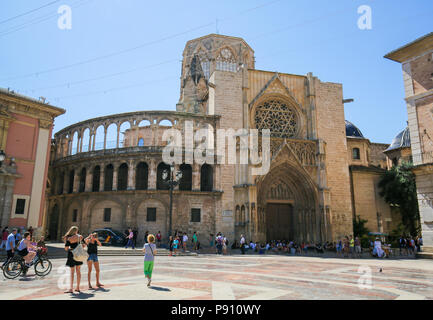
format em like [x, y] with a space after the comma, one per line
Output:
[172, 182]
[2, 157]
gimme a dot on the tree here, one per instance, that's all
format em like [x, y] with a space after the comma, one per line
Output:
[398, 188]
[359, 228]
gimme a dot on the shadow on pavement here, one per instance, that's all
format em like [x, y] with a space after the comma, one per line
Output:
[100, 289]
[159, 288]
[82, 295]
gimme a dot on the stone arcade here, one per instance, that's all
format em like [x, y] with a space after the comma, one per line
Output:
[306, 195]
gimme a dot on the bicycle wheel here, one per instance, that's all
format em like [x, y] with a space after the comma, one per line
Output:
[43, 267]
[13, 269]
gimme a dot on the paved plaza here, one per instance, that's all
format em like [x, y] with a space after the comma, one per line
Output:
[249, 277]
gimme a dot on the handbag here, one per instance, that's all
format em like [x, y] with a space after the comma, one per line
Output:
[79, 253]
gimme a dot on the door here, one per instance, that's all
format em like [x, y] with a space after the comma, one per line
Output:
[279, 221]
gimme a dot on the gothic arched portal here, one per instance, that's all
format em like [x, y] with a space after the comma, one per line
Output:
[288, 198]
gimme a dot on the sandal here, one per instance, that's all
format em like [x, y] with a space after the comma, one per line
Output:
[77, 291]
[99, 285]
[90, 287]
[69, 291]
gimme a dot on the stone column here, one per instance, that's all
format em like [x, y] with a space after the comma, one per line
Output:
[115, 171]
[76, 181]
[118, 135]
[89, 180]
[102, 177]
[152, 175]
[105, 137]
[131, 175]
[6, 193]
[90, 142]
[195, 177]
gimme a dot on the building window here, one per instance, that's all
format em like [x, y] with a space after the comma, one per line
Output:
[277, 116]
[96, 178]
[195, 215]
[74, 215]
[108, 179]
[226, 61]
[141, 175]
[160, 183]
[356, 154]
[20, 206]
[151, 214]
[82, 186]
[186, 181]
[141, 142]
[206, 178]
[395, 162]
[71, 181]
[107, 214]
[122, 177]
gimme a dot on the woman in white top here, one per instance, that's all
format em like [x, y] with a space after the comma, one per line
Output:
[378, 248]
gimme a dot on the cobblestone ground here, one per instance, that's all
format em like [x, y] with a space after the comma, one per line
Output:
[236, 277]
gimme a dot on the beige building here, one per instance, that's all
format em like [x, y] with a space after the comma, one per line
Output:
[417, 64]
[313, 188]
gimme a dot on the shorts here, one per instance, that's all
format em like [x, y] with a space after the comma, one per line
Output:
[93, 257]
[23, 252]
[148, 268]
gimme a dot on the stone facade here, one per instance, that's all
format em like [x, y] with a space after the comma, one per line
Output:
[417, 65]
[308, 182]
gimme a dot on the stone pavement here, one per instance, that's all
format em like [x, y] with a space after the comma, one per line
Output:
[248, 277]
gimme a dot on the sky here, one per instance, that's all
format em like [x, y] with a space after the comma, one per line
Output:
[125, 55]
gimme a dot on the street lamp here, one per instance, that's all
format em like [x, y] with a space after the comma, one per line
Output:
[172, 182]
[2, 157]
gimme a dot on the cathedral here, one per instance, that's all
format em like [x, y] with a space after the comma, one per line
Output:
[323, 171]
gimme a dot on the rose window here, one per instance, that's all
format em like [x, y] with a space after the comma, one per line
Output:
[278, 117]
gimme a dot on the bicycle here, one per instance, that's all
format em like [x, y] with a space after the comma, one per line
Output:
[16, 266]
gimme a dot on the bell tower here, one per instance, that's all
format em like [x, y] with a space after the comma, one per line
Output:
[203, 58]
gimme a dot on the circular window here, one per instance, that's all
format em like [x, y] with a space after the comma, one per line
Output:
[277, 116]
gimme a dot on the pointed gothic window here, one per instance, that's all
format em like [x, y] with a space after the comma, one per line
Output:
[226, 60]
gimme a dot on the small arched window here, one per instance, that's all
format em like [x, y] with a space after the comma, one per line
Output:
[356, 154]
[141, 142]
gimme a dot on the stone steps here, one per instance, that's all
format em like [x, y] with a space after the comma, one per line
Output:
[424, 255]
[56, 252]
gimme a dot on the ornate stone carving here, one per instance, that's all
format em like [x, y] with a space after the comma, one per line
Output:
[277, 116]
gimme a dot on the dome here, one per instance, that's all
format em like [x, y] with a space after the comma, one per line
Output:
[402, 140]
[352, 130]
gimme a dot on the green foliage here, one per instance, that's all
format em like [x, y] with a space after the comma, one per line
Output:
[398, 188]
[359, 228]
[365, 241]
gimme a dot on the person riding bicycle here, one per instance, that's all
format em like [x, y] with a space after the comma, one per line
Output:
[23, 247]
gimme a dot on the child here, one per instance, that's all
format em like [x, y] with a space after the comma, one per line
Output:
[149, 250]
[175, 244]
